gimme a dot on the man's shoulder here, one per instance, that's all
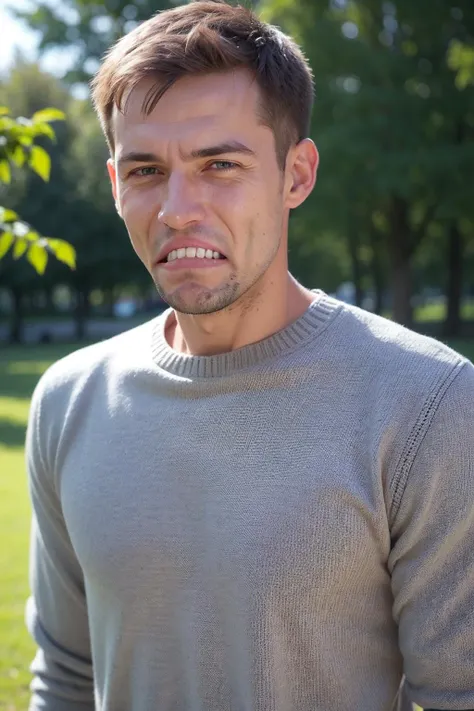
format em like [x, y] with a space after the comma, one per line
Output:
[388, 345]
[401, 378]
[128, 349]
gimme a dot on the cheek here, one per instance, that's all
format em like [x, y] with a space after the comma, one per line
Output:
[139, 209]
[239, 205]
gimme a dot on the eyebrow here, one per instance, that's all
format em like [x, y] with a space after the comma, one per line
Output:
[208, 152]
[220, 149]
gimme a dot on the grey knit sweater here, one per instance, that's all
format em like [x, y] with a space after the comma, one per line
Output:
[285, 527]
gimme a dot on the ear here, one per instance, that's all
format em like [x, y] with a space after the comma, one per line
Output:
[113, 181]
[301, 169]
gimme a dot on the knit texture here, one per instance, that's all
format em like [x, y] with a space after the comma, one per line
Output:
[286, 527]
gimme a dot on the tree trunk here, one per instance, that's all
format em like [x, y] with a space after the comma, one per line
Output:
[81, 313]
[16, 323]
[353, 242]
[376, 270]
[402, 292]
[400, 257]
[452, 323]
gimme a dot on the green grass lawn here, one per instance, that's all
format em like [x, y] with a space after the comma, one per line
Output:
[20, 369]
[436, 311]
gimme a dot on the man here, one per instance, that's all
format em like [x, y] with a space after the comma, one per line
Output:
[262, 499]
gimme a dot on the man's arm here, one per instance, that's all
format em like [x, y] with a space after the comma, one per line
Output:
[432, 557]
[56, 613]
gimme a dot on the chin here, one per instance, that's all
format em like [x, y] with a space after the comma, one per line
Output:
[198, 301]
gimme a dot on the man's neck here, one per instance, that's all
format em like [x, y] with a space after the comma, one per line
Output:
[258, 316]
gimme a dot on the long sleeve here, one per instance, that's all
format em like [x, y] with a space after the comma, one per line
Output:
[56, 612]
[432, 557]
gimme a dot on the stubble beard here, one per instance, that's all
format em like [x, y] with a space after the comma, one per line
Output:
[206, 301]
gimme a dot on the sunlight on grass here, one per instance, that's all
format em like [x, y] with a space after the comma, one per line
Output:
[14, 409]
[17, 378]
[17, 648]
[27, 367]
[436, 311]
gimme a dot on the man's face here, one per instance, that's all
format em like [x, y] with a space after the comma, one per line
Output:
[199, 188]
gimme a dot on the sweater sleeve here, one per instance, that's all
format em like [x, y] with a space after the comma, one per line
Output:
[432, 555]
[56, 612]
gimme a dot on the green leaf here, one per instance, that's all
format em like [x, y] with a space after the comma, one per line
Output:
[7, 215]
[4, 110]
[6, 241]
[17, 156]
[44, 129]
[25, 139]
[461, 59]
[38, 257]
[48, 115]
[5, 173]
[464, 78]
[40, 162]
[63, 251]
[19, 247]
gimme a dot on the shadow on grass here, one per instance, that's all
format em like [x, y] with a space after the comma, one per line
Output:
[17, 385]
[12, 434]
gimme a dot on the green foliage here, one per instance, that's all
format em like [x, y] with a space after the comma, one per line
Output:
[395, 134]
[394, 131]
[90, 26]
[461, 60]
[76, 202]
[40, 162]
[18, 147]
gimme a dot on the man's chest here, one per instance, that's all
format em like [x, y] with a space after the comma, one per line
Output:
[257, 495]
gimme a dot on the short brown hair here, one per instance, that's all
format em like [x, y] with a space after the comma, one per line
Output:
[205, 37]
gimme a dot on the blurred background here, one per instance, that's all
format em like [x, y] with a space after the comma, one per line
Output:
[390, 225]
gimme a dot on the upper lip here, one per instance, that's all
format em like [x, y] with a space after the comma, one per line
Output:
[184, 242]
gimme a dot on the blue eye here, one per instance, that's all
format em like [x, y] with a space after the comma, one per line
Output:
[224, 164]
[143, 172]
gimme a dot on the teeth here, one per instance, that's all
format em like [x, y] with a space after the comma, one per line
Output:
[192, 253]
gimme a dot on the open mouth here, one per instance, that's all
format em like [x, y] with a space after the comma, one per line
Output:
[192, 253]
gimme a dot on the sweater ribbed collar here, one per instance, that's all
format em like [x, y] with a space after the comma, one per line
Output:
[313, 320]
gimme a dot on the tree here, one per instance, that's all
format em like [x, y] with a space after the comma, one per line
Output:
[386, 121]
[26, 91]
[76, 203]
[90, 26]
[461, 60]
[18, 147]
[394, 129]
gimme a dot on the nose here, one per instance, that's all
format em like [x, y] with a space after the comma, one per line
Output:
[182, 204]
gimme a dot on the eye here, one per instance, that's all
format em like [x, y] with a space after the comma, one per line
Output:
[144, 172]
[222, 165]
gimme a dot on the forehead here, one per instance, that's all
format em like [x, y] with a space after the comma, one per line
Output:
[193, 105]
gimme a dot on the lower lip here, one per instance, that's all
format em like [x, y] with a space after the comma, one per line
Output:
[192, 263]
